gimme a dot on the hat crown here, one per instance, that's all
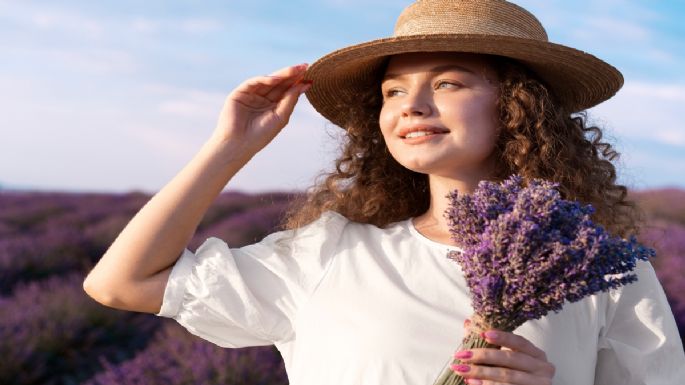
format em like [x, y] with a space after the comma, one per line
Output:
[477, 17]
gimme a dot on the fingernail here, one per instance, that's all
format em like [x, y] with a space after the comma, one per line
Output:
[474, 381]
[464, 354]
[301, 66]
[306, 87]
[467, 322]
[490, 334]
[461, 368]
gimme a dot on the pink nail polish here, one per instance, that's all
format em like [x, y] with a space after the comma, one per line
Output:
[491, 334]
[461, 368]
[464, 354]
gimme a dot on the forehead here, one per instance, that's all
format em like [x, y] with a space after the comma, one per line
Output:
[416, 62]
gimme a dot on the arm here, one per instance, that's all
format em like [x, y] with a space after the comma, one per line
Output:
[132, 274]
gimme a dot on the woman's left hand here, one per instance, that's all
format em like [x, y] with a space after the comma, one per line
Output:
[518, 362]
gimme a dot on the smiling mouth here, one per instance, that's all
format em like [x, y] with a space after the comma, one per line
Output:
[423, 131]
[417, 134]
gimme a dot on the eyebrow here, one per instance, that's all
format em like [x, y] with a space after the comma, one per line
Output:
[442, 68]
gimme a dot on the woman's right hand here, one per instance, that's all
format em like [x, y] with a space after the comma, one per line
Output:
[256, 111]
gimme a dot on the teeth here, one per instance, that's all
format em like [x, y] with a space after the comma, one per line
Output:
[416, 134]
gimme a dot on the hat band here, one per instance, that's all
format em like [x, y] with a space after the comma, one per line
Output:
[431, 26]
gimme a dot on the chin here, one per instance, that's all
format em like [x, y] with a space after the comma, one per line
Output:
[419, 167]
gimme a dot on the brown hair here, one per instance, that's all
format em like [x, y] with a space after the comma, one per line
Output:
[539, 139]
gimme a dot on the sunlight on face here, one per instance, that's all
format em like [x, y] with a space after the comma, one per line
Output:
[439, 113]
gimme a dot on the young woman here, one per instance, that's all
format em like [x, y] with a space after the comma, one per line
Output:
[359, 289]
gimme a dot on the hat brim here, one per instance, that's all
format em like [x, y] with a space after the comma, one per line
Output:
[578, 79]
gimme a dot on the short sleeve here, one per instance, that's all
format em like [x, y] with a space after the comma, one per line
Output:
[640, 344]
[250, 296]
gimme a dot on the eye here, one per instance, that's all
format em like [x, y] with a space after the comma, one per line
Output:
[393, 92]
[447, 84]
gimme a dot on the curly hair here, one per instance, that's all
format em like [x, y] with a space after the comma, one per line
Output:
[538, 139]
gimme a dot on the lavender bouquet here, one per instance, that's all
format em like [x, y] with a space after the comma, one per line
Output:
[526, 252]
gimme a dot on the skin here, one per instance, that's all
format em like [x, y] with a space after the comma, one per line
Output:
[456, 93]
[133, 273]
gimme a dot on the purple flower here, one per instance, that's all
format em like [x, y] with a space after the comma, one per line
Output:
[526, 251]
[177, 357]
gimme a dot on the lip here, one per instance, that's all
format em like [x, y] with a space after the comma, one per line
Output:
[432, 138]
[403, 132]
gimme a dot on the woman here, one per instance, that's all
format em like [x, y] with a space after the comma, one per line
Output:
[359, 291]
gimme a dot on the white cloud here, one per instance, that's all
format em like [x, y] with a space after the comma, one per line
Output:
[647, 110]
[200, 25]
[670, 93]
[145, 25]
[306, 147]
[190, 25]
[607, 28]
[159, 140]
[67, 125]
[51, 19]
[68, 21]
[192, 104]
[672, 136]
[96, 60]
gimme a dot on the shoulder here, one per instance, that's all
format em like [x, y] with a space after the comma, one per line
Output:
[334, 221]
[332, 230]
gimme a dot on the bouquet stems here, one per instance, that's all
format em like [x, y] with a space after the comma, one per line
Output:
[473, 340]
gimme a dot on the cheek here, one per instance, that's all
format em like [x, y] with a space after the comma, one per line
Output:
[480, 113]
[386, 121]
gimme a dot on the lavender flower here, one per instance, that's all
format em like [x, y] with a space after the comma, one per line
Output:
[52, 333]
[669, 241]
[177, 357]
[526, 251]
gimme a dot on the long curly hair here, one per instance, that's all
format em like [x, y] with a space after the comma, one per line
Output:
[538, 139]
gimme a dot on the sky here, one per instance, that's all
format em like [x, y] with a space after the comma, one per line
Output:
[115, 96]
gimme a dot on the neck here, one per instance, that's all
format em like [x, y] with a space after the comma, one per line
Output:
[432, 223]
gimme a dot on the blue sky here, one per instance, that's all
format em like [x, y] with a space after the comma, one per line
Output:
[118, 96]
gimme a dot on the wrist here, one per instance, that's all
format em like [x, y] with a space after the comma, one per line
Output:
[227, 151]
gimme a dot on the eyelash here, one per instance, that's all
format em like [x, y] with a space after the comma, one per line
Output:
[452, 83]
[391, 92]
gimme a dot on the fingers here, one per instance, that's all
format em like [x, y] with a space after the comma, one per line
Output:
[287, 104]
[271, 88]
[292, 77]
[506, 361]
[513, 342]
[291, 71]
[497, 375]
[519, 362]
[504, 358]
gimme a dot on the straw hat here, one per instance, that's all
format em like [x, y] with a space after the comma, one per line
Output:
[497, 27]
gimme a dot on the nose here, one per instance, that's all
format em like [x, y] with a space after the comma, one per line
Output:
[416, 104]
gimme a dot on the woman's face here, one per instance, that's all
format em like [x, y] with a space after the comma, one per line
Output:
[439, 114]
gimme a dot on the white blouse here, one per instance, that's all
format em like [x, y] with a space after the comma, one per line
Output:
[352, 304]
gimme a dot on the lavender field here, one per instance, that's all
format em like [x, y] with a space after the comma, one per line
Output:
[52, 333]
